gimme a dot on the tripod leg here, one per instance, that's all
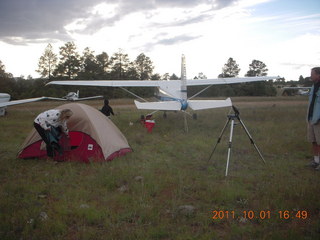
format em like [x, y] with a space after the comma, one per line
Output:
[219, 139]
[229, 147]
[251, 139]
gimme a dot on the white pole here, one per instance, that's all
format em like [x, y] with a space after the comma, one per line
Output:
[229, 147]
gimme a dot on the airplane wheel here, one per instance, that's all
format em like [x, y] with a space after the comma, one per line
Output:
[164, 115]
[194, 116]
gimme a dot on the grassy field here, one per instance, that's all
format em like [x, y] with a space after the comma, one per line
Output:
[167, 188]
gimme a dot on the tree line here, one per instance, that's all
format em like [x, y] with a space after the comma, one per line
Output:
[70, 64]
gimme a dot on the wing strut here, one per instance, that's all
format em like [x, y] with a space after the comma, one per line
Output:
[133, 94]
[200, 92]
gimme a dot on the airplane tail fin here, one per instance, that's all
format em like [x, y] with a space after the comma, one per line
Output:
[183, 87]
[166, 105]
[207, 104]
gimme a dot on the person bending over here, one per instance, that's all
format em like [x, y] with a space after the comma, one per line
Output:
[50, 124]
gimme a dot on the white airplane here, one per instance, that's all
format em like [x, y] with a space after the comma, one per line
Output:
[304, 91]
[172, 94]
[5, 101]
[74, 96]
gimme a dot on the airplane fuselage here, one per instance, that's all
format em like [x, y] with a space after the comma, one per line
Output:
[72, 96]
[4, 97]
[183, 102]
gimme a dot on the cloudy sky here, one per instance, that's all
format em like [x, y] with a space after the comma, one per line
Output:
[284, 34]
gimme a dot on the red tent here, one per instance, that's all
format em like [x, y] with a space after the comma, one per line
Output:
[93, 137]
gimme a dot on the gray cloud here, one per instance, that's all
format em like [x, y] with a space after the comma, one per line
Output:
[183, 22]
[164, 39]
[38, 19]
[25, 21]
[130, 6]
[176, 39]
[298, 66]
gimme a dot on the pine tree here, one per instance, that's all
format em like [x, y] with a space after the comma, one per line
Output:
[70, 61]
[103, 63]
[47, 62]
[144, 67]
[230, 69]
[119, 65]
[257, 69]
[90, 65]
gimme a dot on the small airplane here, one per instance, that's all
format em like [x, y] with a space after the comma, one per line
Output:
[73, 96]
[5, 101]
[303, 91]
[172, 94]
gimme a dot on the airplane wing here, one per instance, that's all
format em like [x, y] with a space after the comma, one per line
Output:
[109, 83]
[220, 81]
[77, 99]
[303, 88]
[87, 98]
[4, 104]
[159, 83]
[59, 99]
[208, 104]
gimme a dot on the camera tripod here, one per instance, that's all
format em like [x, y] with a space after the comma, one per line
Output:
[232, 118]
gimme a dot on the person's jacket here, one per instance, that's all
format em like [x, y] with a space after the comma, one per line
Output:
[51, 118]
[316, 108]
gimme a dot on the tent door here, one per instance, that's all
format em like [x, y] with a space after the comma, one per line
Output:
[76, 139]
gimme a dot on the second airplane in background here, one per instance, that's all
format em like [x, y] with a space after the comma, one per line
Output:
[73, 96]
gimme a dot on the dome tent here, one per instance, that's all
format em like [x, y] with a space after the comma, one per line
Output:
[93, 137]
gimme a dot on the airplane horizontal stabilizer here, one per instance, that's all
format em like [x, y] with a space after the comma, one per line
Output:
[207, 104]
[166, 105]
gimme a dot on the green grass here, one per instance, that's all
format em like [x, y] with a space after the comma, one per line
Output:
[43, 200]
